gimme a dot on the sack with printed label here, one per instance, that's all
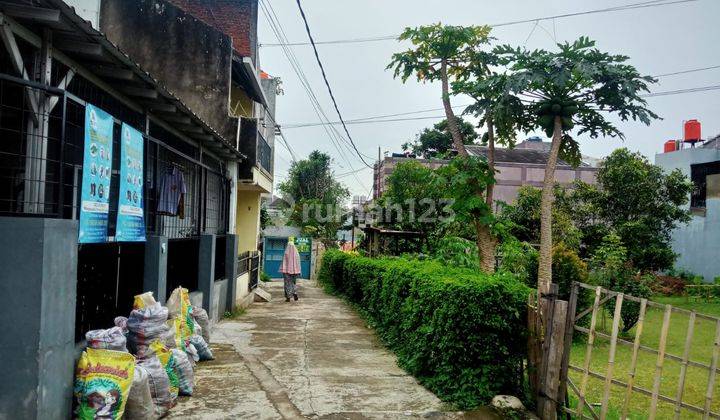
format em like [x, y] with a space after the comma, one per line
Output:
[180, 309]
[159, 384]
[103, 380]
[167, 360]
[184, 371]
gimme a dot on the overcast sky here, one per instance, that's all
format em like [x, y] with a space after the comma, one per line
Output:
[658, 40]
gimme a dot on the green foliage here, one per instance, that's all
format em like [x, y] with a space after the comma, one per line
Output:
[635, 200]
[412, 192]
[523, 219]
[463, 178]
[436, 142]
[520, 260]
[312, 186]
[459, 332]
[264, 218]
[611, 270]
[457, 252]
[264, 277]
[435, 44]
[579, 84]
[567, 268]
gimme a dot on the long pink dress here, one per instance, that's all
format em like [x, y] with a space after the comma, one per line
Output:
[290, 268]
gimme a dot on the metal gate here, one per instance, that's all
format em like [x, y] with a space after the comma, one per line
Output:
[274, 249]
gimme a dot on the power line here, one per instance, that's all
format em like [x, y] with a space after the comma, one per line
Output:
[681, 91]
[632, 6]
[378, 117]
[332, 96]
[279, 33]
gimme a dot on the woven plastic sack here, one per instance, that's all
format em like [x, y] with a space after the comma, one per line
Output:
[121, 321]
[140, 404]
[146, 325]
[192, 353]
[167, 360]
[110, 339]
[184, 370]
[203, 350]
[201, 317]
[144, 300]
[159, 384]
[180, 309]
[102, 383]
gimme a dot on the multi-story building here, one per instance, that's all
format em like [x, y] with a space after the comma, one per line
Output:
[136, 139]
[522, 165]
[697, 243]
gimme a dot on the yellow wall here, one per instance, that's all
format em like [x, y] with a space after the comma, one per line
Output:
[247, 225]
[240, 104]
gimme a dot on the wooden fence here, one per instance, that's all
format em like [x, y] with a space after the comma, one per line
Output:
[576, 373]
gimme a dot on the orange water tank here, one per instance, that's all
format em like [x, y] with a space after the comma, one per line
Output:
[670, 146]
[692, 131]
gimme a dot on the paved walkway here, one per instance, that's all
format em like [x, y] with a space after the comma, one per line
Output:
[314, 358]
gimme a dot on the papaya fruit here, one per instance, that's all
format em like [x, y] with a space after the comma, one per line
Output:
[556, 109]
[545, 121]
[567, 123]
[569, 111]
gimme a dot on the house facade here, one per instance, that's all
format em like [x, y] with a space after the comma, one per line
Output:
[137, 138]
[517, 167]
[697, 243]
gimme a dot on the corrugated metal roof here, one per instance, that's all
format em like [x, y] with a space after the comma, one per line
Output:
[528, 156]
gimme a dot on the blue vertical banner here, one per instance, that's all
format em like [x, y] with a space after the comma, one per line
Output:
[97, 169]
[130, 216]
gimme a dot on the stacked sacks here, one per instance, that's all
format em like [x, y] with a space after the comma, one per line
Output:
[148, 323]
[148, 335]
[110, 339]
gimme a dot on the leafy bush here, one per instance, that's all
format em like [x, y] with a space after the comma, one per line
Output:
[519, 259]
[567, 267]
[612, 271]
[457, 252]
[264, 277]
[461, 333]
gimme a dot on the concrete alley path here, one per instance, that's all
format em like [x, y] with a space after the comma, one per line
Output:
[314, 358]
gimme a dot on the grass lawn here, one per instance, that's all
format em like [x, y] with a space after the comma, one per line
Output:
[696, 378]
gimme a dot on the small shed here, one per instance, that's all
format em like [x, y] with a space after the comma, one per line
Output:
[275, 239]
[381, 241]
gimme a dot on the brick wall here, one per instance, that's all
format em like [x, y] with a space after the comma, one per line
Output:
[237, 18]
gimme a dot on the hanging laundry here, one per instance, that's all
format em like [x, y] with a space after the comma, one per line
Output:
[172, 193]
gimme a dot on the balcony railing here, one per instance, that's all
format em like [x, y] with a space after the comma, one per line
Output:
[264, 154]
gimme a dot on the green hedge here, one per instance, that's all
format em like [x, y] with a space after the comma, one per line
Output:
[462, 334]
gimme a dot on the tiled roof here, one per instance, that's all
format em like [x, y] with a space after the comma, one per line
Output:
[530, 156]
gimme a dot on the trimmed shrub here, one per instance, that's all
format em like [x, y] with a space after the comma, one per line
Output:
[460, 333]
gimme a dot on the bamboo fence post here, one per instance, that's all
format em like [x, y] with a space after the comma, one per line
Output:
[611, 358]
[713, 371]
[588, 353]
[534, 351]
[567, 342]
[546, 305]
[660, 361]
[633, 360]
[684, 364]
[553, 360]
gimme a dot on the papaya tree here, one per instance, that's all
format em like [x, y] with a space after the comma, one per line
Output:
[571, 91]
[441, 53]
[496, 110]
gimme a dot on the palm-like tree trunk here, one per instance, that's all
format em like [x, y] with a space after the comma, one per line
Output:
[487, 242]
[546, 202]
[449, 114]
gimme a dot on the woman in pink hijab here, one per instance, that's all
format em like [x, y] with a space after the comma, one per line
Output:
[290, 269]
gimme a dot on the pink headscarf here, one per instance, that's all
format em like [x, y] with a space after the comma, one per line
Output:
[291, 260]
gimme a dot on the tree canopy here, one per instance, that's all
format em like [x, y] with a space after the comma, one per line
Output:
[436, 142]
[317, 196]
